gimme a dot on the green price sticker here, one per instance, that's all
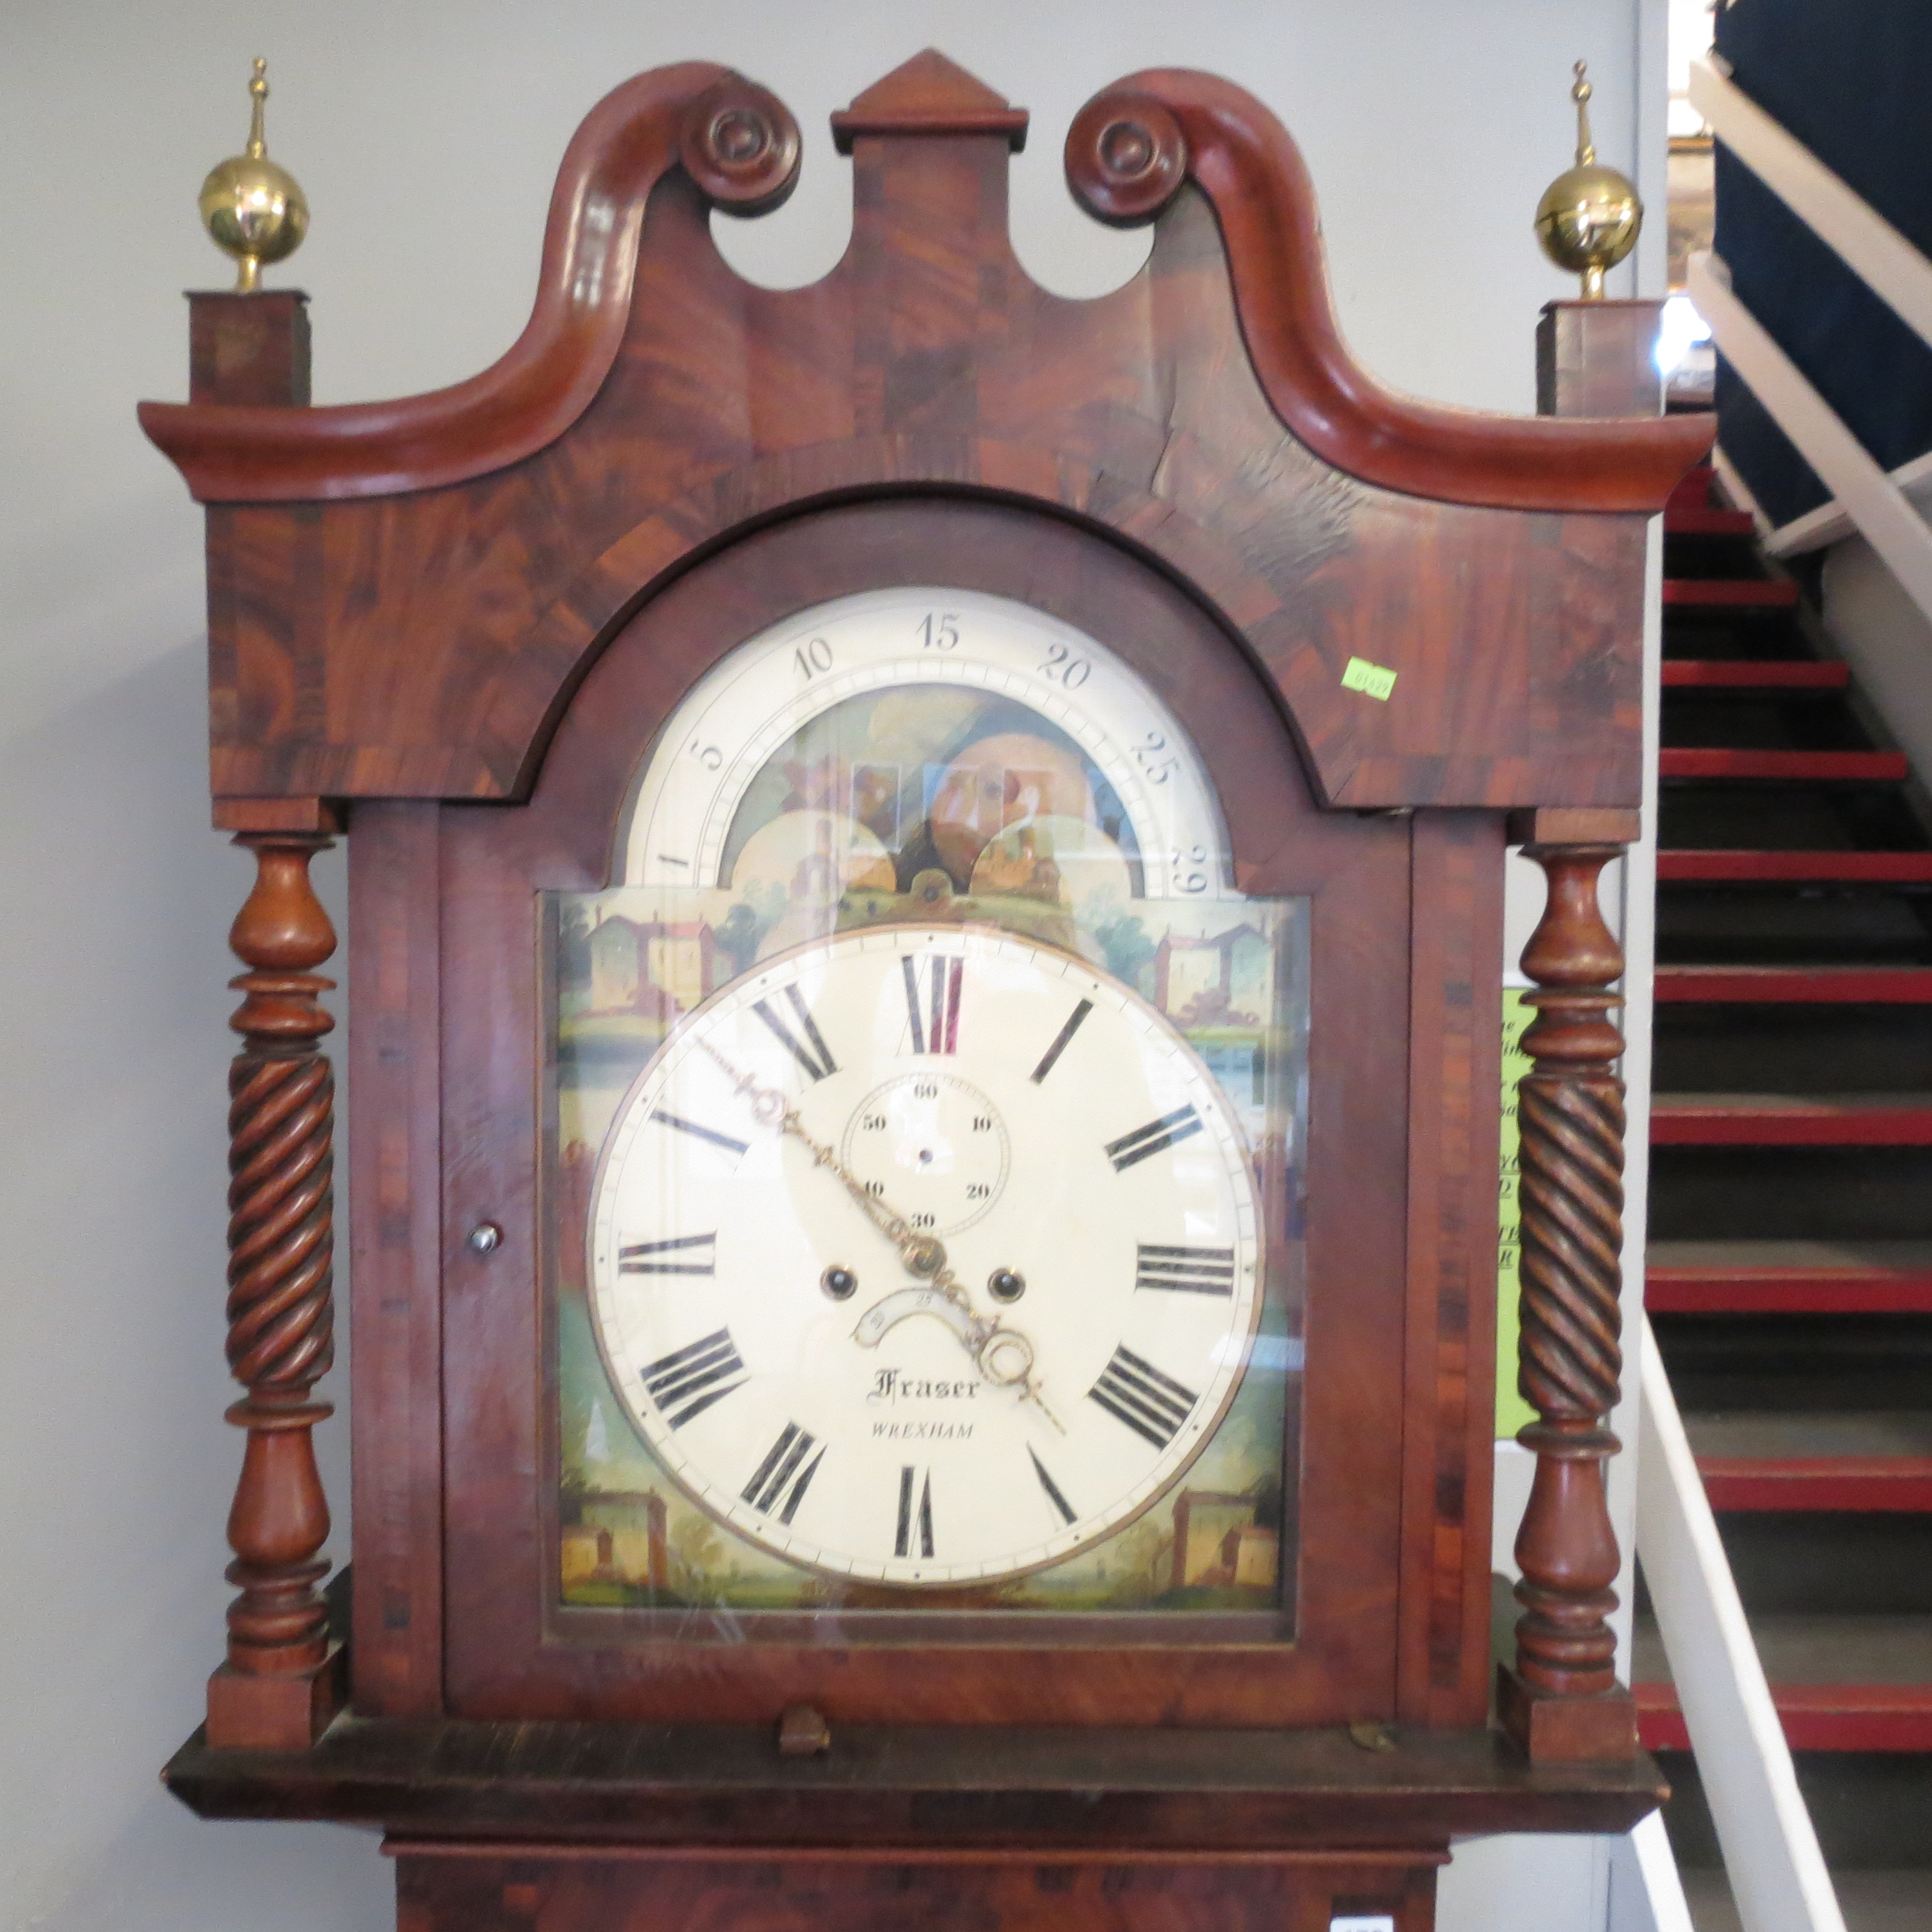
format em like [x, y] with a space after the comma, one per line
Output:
[1372, 680]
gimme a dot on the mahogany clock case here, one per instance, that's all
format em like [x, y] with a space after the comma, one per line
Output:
[505, 1648]
[457, 620]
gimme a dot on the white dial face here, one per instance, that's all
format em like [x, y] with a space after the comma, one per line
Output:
[723, 735]
[925, 1255]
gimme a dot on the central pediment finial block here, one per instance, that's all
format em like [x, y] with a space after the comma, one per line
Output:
[929, 95]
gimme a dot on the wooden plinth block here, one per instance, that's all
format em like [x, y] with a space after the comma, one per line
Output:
[504, 1888]
[319, 815]
[246, 1712]
[1598, 359]
[1553, 1728]
[1575, 825]
[250, 348]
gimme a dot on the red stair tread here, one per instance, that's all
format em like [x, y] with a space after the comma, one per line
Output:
[1861, 1482]
[1869, 767]
[1839, 1682]
[1820, 1459]
[1815, 1717]
[1799, 868]
[1692, 490]
[1795, 985]
[1700, 520]
[1789, 1278]
[1755, 674]
[1737, 593]
[1791, 1120]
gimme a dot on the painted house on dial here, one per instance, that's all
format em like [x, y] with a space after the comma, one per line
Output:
[1226, 980]
[618, 1538]
[656, 968]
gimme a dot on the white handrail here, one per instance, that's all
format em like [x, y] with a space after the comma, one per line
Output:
[1831, 520]
[1881, 510]
[1662, 1883]
[1777, 1872]
[1875, 250]
[1888, 263]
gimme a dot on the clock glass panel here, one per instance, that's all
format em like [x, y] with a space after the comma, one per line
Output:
[925, 1116]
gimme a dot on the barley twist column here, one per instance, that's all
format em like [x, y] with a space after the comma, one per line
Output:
[1562, 1700]
[281, 1682]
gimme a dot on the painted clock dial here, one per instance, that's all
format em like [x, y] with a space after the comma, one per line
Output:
[1051, 1154]
[939, 647]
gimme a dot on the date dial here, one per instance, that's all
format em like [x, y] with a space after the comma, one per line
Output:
[919, 661]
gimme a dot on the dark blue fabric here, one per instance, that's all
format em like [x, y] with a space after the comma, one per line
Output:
[1779, 479]
[1849, 79]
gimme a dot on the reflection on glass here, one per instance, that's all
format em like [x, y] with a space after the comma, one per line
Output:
[935, 909]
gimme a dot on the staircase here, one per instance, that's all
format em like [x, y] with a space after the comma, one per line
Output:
[1790, 1262]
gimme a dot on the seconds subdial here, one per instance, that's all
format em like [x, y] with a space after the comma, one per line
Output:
[934, 1146]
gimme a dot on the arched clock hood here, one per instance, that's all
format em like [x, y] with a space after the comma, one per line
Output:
[1205, 414]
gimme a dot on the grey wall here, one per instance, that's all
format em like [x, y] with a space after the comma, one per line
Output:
[426, 134]
[1885, 638]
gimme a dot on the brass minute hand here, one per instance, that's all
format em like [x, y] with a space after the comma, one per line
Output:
[1003, 1355]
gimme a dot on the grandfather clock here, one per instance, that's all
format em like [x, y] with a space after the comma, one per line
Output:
[925, 898]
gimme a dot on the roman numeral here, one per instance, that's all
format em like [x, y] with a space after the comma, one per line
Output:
[933, 1010]
[1134, 1391]
[689, 1254]
[1193, 1270]
[1059, 1046]
[913, 1521]
[688, 1380]
[779, 1478]
[692, 1127]
[1145, 1141]
[811, 1053]
[1051, 1488]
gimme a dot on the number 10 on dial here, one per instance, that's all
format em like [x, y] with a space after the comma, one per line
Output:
[925, 1255]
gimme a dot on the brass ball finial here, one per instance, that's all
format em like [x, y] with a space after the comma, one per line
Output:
[1589, 217]
[254, 209]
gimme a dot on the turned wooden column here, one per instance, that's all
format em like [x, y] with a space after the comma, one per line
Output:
[1560, 1699]
[282, 1681]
